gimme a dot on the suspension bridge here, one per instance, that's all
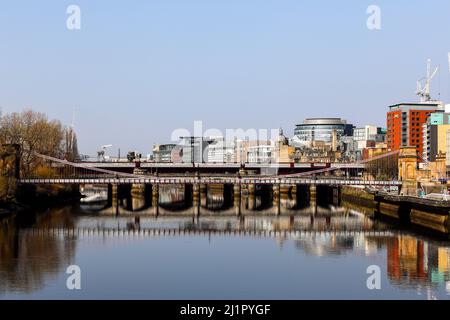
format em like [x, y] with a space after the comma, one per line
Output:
[59, 171]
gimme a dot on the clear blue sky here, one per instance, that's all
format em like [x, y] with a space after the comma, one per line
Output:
[139, 69]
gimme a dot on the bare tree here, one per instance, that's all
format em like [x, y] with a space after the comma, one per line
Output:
[33, 132]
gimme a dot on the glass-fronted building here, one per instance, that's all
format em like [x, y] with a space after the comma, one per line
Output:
[321, 129]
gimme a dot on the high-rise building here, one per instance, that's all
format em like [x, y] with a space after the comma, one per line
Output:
[405, 124]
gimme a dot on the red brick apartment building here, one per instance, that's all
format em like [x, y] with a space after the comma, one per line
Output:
[404, 124]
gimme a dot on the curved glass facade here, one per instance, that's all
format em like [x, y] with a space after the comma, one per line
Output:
[321, 129]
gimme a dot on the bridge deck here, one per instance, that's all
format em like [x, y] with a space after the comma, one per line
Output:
[190, 180]
[305, 165]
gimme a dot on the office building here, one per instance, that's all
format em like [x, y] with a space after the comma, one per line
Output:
[435, 135]
[321, 129]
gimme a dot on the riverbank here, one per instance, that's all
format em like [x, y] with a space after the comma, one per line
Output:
[32, 199]
[358, 199]
[429, 214]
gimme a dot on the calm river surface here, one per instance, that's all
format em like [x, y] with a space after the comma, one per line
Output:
[304, 256]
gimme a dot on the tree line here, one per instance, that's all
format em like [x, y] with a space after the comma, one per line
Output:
[33, 133]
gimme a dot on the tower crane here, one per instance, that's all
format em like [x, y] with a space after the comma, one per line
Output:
[101, 154]
[423, 84]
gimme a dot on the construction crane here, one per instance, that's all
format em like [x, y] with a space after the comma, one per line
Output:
[101, 154]
[423, 89]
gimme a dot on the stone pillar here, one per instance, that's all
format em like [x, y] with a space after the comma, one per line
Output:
[251, 196]
[276, 198]
[407, 170]
[203, 194]
[237, 198]
[284, 196]
[196, 199]
[251, 189]
[114, 198]
[155, 199]
[336, 195]
[137, 196]
[294, 190]
[138, 189]
[313, 195]
[284, 189]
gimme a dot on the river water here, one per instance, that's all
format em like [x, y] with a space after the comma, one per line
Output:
[325, 255]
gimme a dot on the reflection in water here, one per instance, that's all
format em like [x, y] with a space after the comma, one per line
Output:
[28, 261]
[206, 199]
[34, 253]
[417, 263]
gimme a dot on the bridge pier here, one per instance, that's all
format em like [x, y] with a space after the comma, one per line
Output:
[337, 195]
[196, 199]
[137, 196]
[155, 199]
[113, 191]
[138, 189]
[203, 194]
[294, 190]
[251, 196]
[237, 198]
[288, 200]
[276, 195]
[313, 196]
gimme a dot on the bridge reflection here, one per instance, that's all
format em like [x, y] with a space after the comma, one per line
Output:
[34, 250]
[205, 200]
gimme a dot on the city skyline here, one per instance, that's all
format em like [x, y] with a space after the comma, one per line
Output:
[225, 156]
[135, 73]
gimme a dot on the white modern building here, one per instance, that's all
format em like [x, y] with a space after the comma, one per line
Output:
[261, 153]
[193, 149]
[220, 151]
[364, 134]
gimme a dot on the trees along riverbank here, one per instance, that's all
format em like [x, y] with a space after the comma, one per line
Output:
[21, 136]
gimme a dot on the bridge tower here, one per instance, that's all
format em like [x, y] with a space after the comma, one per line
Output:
[10, 169]
[407, 170]
[11, 154]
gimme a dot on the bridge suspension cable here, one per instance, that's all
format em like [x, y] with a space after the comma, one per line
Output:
[329, 169]
[89, 168]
